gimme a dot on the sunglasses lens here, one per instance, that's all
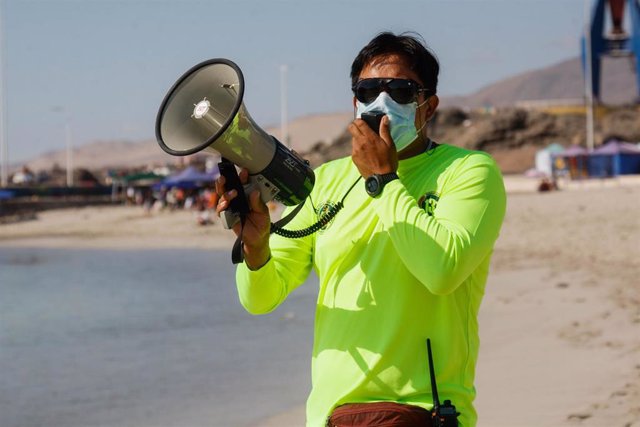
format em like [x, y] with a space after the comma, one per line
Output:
[368, 90]
[400, 90]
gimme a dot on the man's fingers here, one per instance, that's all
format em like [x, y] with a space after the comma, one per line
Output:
[256, 204]
[355, 128]
[220, 185]
[385, 131]
[244, 175]
[225, 199]
[237, 228]
[365, 128]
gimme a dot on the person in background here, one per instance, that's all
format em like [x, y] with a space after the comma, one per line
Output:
[404, 261]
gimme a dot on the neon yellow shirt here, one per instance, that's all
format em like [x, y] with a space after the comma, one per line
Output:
[394, 270]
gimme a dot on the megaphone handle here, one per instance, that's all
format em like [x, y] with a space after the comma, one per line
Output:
[237, 252]
[239, 205]
[229, 219]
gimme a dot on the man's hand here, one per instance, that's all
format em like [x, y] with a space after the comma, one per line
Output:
[255, 233]
[372, 153]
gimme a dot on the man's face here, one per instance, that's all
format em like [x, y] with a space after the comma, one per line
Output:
[396, 66]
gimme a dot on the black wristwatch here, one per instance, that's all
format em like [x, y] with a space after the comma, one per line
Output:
[375, 183]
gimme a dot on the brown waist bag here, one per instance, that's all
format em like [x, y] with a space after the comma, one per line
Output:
[379, 414]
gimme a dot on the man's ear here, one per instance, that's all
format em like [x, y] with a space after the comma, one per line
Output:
[432, 104]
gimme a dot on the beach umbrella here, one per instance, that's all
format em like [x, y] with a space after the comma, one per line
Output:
[573, 151]
[141, 179]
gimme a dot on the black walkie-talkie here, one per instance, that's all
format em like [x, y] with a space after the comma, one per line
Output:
[444, 415]
[373, 119]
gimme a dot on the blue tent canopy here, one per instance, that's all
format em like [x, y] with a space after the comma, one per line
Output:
[188, 178]
[6, 194]
[614, 158]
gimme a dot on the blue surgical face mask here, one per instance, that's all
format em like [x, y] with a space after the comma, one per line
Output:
[402, 118]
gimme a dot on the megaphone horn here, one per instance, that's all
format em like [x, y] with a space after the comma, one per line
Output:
[203, 111]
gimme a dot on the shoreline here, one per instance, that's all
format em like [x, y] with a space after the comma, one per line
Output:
[115, 227]
[130, 227]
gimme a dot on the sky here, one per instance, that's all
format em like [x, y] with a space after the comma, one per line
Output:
[102, 67]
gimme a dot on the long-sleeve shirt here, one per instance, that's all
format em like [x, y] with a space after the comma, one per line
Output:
[394, 270]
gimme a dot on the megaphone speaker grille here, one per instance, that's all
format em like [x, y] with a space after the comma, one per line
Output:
[200, 107]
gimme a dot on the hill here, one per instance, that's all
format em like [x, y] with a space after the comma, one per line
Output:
[511, 135]
[314, 134]
[304, 132]
[562, 81]
[105, 154]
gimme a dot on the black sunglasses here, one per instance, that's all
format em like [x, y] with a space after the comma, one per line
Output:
[403, 91]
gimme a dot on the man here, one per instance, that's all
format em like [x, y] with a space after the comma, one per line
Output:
[406, 259]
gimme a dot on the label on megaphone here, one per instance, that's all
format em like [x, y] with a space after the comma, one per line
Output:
[268, 190]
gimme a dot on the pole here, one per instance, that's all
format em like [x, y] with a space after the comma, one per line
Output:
[284, 130]
[589, 76]
[4, 151]
[69, 145]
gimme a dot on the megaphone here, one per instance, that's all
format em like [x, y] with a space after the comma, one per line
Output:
[203, 111]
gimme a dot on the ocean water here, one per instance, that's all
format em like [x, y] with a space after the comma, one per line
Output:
[143, 338]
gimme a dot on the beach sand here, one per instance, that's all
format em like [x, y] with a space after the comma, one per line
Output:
[560, 322]
[114, 227]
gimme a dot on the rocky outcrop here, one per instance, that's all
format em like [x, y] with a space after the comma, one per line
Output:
[512, 135]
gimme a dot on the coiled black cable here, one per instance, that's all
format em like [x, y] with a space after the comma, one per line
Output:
[331, 212]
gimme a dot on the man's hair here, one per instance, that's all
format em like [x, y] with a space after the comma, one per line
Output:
[410, 46]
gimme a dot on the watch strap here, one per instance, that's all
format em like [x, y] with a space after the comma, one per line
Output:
[388, 177]
[381, 180]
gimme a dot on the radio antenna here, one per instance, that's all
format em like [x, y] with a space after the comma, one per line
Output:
[432, 375]
[445, 415]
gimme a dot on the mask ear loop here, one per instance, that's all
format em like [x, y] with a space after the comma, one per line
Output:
[429, 141]
[419, 131]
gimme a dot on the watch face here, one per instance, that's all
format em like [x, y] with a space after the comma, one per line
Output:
[372, 185]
